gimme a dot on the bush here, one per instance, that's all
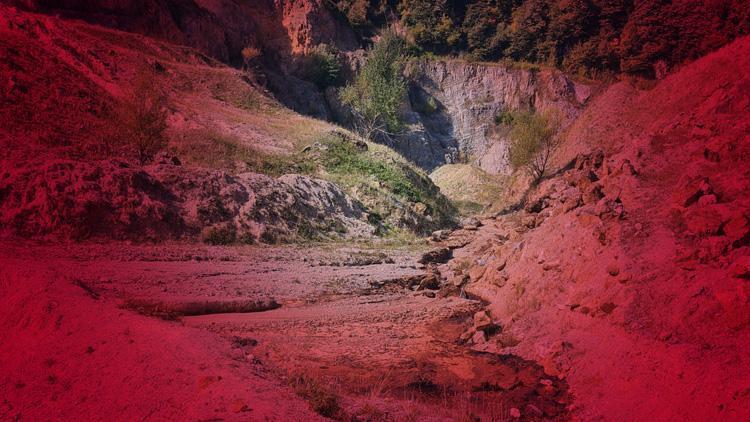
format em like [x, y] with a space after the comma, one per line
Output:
[322, 66]
[379, 90]
[533, 141]
[249, 56]
[143, 116]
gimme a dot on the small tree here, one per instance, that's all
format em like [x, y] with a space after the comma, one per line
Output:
[533, 141]
[379, 90]
[144, 115]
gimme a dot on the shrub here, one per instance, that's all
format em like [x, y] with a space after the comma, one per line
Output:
[143, 116]
[533, 141]
[322, 66]
[504, 118]
[249, 55]
[322, 401]
[379, 90]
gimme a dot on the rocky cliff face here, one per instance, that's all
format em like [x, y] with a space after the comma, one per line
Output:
[454, 105]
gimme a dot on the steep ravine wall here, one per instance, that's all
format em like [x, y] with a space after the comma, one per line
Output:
[453, 106]
[221, 29]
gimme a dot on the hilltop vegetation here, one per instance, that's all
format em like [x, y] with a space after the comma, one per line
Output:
[590, 37]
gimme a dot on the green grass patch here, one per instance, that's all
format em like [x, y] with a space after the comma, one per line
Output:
[342, 157]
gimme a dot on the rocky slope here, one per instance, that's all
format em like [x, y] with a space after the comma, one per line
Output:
[219, 28]
[627, 274]
[67, 81]
[113, 199]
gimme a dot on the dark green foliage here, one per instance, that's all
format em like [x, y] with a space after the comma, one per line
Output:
[485, 29]
[430, 24]
[363, 15]
[322, 66]
[589, 37]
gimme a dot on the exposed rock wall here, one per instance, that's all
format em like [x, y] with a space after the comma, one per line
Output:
[454, 105]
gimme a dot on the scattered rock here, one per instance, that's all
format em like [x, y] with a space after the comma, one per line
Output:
[476, 273]
[515, 413]
[479, 337]
[437, 256]
[706, 200]
[737, 230]
[529, 221]
[440, 235]
[482, 321]
[703, 221]
[608, 307]
[429, 282]
[471, 224]
[552, 265]
[690, 190]
[571, 199]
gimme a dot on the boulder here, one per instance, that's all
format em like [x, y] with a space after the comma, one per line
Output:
[482, 321]
[437, 256]
[429, 282]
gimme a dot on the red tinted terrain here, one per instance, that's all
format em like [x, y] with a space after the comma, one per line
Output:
[260, 264]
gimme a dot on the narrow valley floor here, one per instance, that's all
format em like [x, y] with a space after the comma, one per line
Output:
[335, 332]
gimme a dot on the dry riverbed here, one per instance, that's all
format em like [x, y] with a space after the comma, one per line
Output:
[343, 327]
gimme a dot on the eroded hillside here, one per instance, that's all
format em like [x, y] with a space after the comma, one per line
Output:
[64, 149]
[258, 264]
